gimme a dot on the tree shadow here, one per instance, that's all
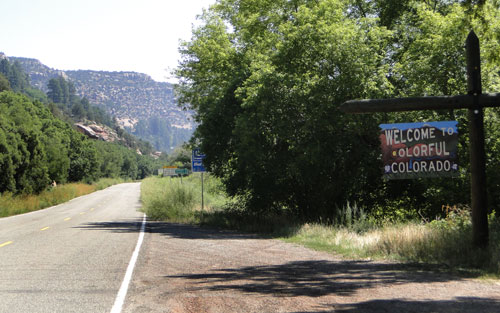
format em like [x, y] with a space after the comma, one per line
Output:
[181, 231]
[311, 278]
[458, 304]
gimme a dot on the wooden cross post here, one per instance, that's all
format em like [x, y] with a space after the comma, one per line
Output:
[474, 101]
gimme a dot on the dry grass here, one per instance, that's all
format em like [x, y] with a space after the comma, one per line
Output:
[441, 242]
[18, 204]
[12, 205]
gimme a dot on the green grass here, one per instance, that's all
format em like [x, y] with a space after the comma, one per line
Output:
[18, 204]
[176, 200]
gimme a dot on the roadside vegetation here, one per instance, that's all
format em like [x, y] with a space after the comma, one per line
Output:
[351, 232]
[266, 80]
[11, 204]
[179, 201]
[446, 243]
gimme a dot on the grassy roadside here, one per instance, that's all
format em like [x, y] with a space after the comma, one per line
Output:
[446, 242]
[18, 204]
[176, 200]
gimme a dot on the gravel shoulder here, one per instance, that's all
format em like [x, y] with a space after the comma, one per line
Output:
[184, 268]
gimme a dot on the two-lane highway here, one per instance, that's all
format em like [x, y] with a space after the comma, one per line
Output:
[71, 257]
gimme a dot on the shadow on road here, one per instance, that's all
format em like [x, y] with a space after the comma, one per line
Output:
[181, 231]
[310, 278]
[459, 304]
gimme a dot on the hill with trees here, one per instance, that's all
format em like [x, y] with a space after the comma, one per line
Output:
[128, 96]
[39, 143]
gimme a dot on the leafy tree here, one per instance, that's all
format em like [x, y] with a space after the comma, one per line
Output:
[266, 97]
[7, 179]
[18, 80]
[182, 156]
[83, 159]
[61, 91]
[4, 83]
[265, 79]
[5, 67]
[55, 93]
[26, 155]
[78, 111]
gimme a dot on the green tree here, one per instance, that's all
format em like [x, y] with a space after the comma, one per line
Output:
[266, 97]
[78, 111]
[4, 83]
[83, 159]
[61, 91]
[55, 93]
[265, 79]
[7, 179]
[18, 80]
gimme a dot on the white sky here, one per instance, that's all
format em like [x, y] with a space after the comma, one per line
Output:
[109, 35]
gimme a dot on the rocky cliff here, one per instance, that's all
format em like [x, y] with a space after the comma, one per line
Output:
[128, 96]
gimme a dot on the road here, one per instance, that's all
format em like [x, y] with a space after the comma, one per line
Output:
[63, 259]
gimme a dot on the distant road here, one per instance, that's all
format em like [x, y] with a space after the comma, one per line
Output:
[72, 257]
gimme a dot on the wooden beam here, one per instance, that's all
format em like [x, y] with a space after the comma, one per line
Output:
[419, 103]
[479, 201]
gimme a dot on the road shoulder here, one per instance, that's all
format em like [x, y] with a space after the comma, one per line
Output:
[190, 269]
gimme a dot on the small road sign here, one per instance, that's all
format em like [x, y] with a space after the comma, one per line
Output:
[197, 161]
[181, 171]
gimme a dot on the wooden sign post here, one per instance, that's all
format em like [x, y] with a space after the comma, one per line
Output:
[474, 101]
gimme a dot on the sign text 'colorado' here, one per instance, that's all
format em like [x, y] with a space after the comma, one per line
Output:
[417, 150]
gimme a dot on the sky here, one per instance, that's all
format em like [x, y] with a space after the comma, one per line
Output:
[107, 35]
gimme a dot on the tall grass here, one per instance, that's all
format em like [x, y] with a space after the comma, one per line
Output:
[167, 199]
[18, 204]
[176, 200]
[12, 205]
[446, 242]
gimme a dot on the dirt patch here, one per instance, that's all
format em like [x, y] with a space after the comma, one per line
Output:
[188, 269]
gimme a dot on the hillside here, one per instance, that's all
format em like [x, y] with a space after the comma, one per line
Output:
[130, 97]
[123, 94]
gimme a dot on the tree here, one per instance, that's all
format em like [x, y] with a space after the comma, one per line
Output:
[7, 179]
[265, 79]
[266, 94]
[18, 80]
[61, 91]
[78, 111]
[83, 159]
[4, 83]
[55, 93]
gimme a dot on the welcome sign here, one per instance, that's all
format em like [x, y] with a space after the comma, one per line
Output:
[418, 150]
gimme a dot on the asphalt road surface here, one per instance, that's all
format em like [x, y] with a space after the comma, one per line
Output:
[62, 260]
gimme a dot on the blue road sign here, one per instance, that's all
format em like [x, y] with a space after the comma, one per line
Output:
[197, 161]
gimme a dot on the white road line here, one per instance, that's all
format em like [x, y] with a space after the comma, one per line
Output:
[122, 293]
